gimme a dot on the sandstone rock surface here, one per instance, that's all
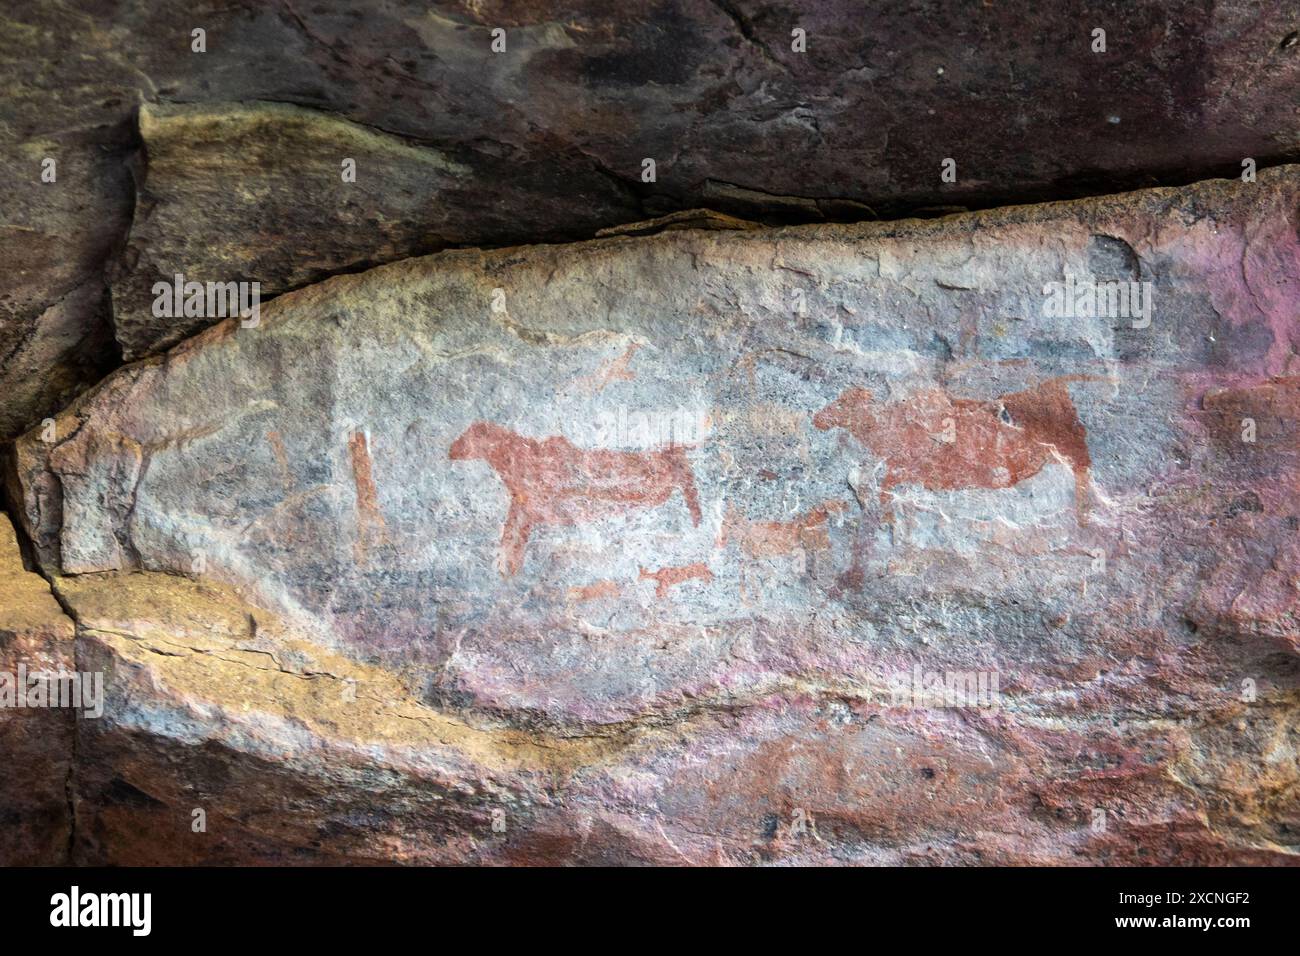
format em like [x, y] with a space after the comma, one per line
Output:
[635, 550]
[549, 136]
[36, 817]
[256, 192]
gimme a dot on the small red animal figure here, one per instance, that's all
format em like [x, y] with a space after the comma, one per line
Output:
[555, 482]
[766, 539]
[941, 442]
[666, 578]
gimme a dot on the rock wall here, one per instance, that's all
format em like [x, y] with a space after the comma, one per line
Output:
[37, 741]
[855, 543]
[224, 163]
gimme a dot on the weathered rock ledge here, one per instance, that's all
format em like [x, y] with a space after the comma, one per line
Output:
[629, 551]
[225, 161]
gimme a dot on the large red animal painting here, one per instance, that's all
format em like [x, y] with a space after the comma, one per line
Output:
[555, 482]
[943, 443]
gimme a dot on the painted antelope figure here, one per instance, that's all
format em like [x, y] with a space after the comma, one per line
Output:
[943, 443]
[555, 482]
[766, 539]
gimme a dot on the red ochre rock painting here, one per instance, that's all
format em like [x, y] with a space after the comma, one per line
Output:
[767, 539]
[553, 481]
[944, 443]
[666, 578]
[370, 519]
[595, 591]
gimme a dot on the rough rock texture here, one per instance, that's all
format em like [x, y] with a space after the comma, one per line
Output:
[266, 183]
[547, 138]
[625, 546]
[37, 743]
